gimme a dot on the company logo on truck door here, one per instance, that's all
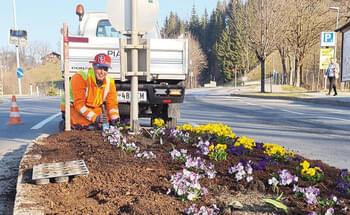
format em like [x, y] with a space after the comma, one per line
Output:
[114, 53]
[79, 67]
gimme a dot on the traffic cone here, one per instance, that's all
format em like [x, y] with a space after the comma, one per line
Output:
[15, 119]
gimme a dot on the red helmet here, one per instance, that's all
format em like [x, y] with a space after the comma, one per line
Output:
[102, 60]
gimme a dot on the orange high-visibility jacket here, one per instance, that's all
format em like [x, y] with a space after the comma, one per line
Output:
[87, 98]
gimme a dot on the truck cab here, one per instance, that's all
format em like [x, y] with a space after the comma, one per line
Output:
[161, 93]
[97, 24]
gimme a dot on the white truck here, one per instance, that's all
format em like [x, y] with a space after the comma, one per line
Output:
[161, 89]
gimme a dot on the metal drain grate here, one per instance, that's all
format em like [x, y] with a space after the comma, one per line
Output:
[60, 171]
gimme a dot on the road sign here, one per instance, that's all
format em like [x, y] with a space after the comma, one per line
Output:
[325, 57]
[328, 39]
[120, 12]
[20, 73]
[17, 37]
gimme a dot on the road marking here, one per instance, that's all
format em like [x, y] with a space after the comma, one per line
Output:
[42, 123]
[334, 118]
[272, 108]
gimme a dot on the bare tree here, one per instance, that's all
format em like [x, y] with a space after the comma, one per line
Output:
[198, 61]
[262, 22]
[36, 50]
[307, 19]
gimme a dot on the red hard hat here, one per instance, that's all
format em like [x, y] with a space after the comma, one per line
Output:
[102, 60]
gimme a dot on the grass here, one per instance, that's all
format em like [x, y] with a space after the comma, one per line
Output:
[34, 75]
[293, 88]
[280, 94]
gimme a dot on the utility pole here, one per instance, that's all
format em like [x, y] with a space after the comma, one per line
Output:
[17, 53]
[336, 27]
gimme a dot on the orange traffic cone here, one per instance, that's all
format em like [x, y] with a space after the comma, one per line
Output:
[15, 119]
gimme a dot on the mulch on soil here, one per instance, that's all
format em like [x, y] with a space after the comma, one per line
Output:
[118, 183]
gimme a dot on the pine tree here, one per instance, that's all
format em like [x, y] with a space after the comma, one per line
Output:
[225, 54]
[195, 27]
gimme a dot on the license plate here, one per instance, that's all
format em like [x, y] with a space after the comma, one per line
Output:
[125, 96]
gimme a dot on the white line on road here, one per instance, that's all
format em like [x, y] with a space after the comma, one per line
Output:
[272, 108]
[42, 123]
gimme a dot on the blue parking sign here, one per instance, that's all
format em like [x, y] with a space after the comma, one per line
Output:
[328, 39]
[20, 73]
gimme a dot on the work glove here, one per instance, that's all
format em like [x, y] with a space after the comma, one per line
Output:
[102, 118]
[114, 122]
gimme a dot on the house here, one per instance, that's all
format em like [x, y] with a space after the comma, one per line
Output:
[345, 52]
[51, 58]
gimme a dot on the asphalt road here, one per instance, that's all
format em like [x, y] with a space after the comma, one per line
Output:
[14, 139]
[313, 130]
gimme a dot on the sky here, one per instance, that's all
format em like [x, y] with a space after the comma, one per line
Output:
[43, 18]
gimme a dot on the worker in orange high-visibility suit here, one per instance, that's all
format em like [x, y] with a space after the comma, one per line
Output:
[89, 90]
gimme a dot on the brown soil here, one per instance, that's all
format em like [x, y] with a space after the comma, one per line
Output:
[118, 183]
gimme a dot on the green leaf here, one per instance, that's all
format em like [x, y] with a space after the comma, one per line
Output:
[278, 198]
[276, 204]
[236, 205]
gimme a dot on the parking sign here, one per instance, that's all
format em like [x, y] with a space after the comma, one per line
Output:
[328, 39]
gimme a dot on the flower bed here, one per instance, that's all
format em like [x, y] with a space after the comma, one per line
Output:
[188, 170]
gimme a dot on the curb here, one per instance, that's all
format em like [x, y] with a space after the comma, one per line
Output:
[23, 203]
[311, 100]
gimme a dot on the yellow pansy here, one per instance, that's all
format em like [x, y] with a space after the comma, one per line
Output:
[221, 147]
[311, 171]
[291, 154]
[318, 169]
[158, 122]
[211, 155]
[211, 148]
[305, 164]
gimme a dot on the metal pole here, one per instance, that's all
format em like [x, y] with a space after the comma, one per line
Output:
[17, 54]
[271, 82]
[66, 78]
[2, 79]
[134, 79]
[336, 26]
[235, 78]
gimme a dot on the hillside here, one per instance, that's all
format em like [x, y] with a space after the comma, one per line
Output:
[42, 75]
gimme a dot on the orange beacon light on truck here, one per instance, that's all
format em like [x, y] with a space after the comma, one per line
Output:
[80, 11]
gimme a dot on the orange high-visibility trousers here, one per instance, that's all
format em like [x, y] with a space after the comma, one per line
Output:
[77, 119]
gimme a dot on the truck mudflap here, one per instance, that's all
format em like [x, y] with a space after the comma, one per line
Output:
[157, 94]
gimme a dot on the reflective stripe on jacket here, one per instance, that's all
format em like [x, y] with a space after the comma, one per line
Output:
[87, 97]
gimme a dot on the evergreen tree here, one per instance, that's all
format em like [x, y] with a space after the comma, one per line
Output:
[195, 27]
[225, 54]
[215, 28]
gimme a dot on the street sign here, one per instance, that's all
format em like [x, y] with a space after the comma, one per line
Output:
[325, 57]
[328, 39]
[120, 12]
[20, 72]
[17, 37]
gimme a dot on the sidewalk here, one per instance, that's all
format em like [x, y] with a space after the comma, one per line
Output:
[318, 97]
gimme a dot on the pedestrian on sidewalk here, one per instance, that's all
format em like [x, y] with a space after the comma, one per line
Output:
[332, 74]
